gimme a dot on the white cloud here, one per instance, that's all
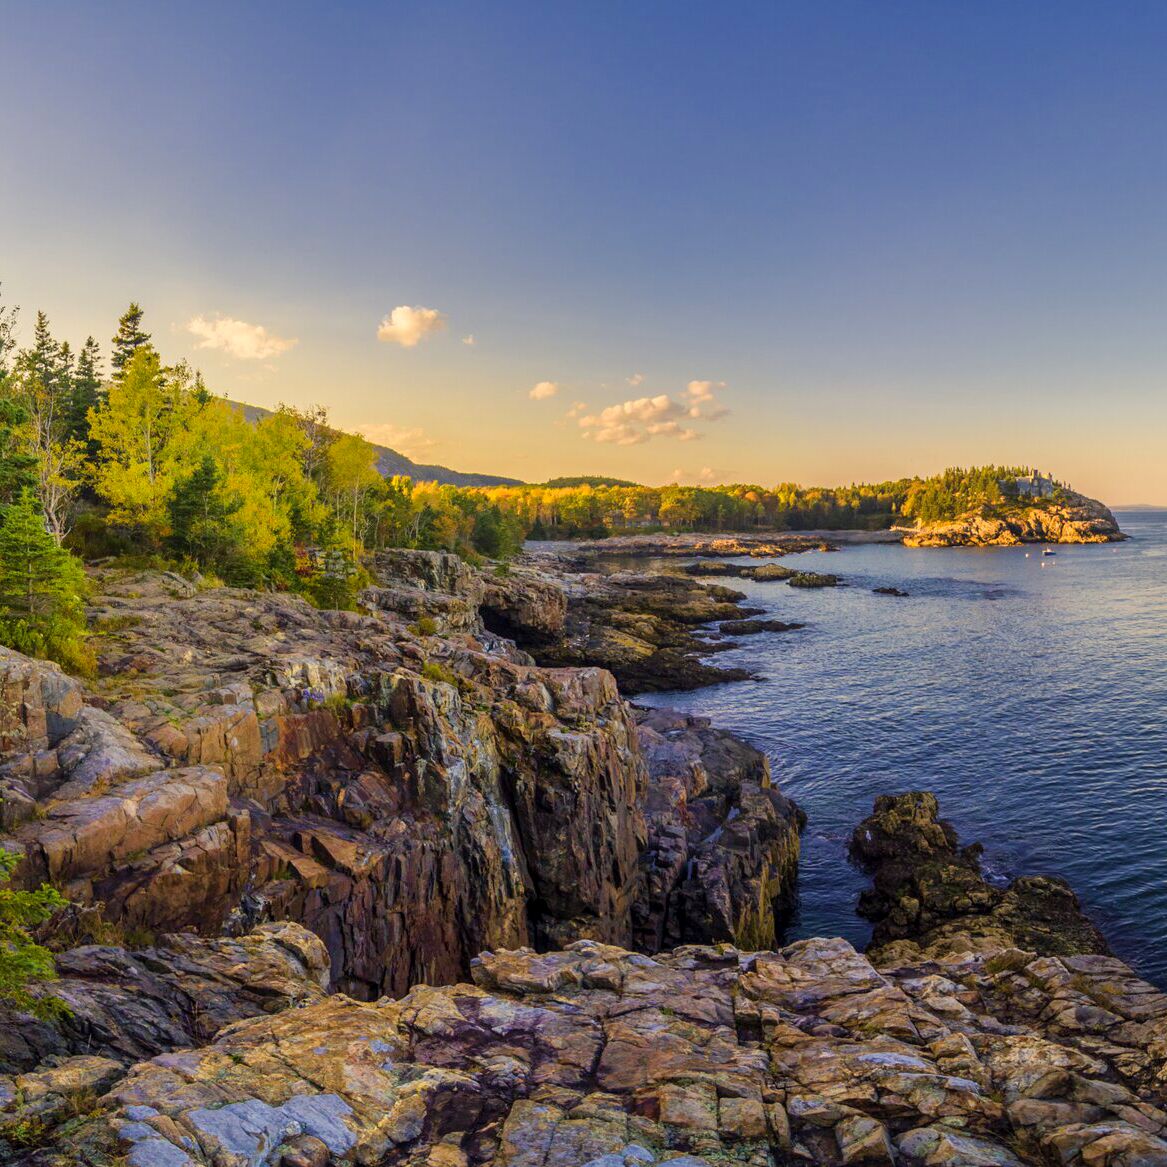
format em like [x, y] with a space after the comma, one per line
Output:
[470, 340]
[705, 474]
[578, 409]
[636, 379]
[237, 338]
[410, 442]
[408, 326]
[642, 418]
[702, 401]
[543, 390]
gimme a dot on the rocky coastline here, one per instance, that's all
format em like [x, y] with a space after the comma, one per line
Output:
[1072, 518]
[418, 885]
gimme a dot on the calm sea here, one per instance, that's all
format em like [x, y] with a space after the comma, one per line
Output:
[1029, 693]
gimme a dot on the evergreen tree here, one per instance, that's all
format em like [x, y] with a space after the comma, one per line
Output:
[17, 465]
[128, 340]
[200, 516]
[85, 390]
[42, 382]
[22, 961]
[42, 588]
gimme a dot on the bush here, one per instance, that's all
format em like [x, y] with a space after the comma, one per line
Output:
[23, 962]
[42, 587]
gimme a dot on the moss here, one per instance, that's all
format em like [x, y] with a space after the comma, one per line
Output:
[433, 671]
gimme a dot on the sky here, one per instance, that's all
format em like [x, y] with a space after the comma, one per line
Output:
[758, 242]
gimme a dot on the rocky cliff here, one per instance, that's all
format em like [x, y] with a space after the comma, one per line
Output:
[404, 784]
[1067, 518]
[293, 838]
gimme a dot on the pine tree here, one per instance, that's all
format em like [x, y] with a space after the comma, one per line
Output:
[200, 516]
[42, 587]
[23, 962]
[17, 465]
[128, 340]
[85, 389]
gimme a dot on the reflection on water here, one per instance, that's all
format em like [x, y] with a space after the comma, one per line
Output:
[1032, 699]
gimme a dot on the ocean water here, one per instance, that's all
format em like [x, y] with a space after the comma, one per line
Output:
[1029, 693]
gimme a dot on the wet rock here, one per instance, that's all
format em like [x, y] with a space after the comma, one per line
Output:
[929, 895]
[890, 591]
[753, 627]
[813, 579]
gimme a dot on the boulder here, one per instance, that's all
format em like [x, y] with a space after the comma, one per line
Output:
[929, 894]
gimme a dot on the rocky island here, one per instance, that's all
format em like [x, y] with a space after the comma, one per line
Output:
[1066, 517]
[392, 887]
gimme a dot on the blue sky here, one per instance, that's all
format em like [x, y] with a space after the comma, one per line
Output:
[880, 238]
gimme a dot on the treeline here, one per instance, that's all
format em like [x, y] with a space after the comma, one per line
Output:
[591, 508]
[147, 464]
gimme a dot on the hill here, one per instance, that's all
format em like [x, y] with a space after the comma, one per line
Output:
[392, 463]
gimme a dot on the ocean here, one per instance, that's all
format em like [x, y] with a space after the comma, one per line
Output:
[1028, 692]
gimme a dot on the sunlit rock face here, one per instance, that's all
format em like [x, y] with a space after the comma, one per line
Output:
[402, 782]
[596, 1055]
[1073, 518]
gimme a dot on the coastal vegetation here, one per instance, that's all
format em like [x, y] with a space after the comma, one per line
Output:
[584, 507]
[147, 464]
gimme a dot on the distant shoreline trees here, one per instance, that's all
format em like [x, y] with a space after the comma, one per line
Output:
[149, 464]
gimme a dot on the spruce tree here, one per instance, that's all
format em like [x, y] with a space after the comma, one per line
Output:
[128, 340]
[23, 962]
[86, 389]
[17, 465]
[42, 587]
[199, 516]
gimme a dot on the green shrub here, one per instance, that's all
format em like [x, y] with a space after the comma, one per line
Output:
[433, 671]
[23, 962]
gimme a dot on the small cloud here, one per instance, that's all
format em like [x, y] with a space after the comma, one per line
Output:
[705, 474]
[638, 420]
[237, 338]
[636, 379]
[578, 409]
[543, 390]
[410, 442]
[408, 326]
[471, 340]
[702, 401]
